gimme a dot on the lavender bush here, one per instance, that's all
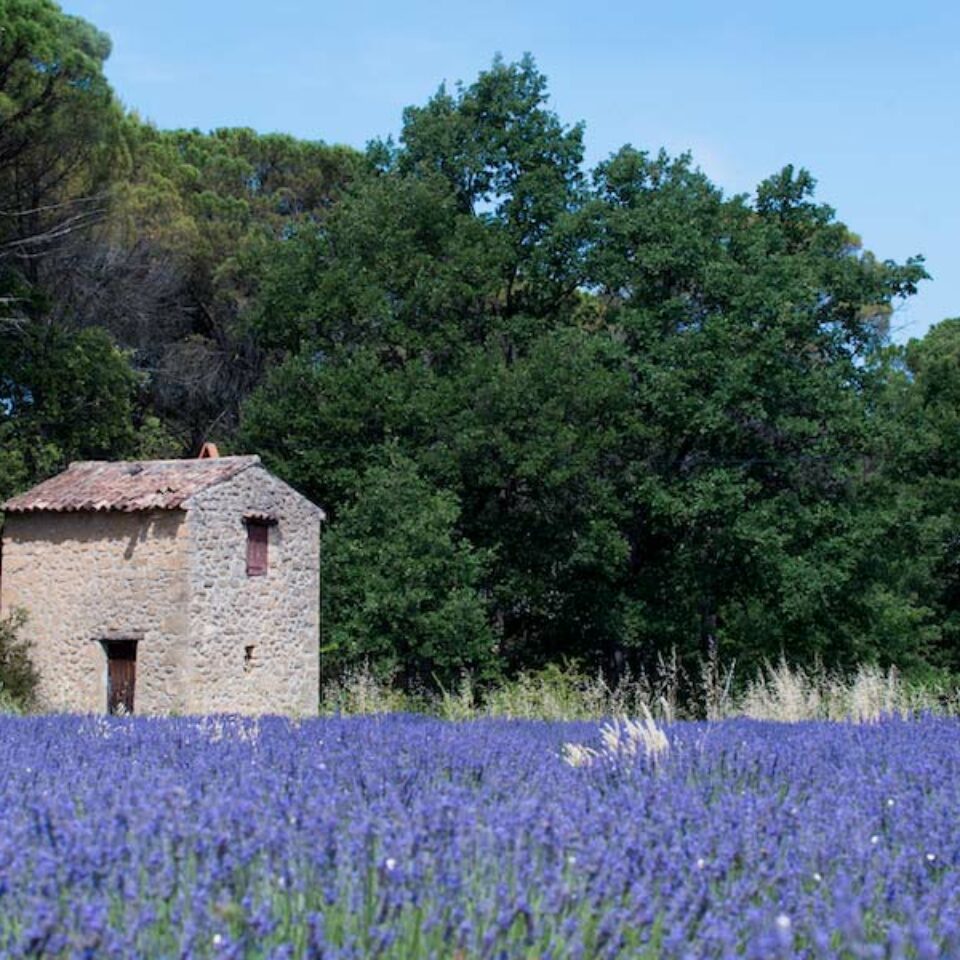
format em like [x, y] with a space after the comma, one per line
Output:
[407, 837]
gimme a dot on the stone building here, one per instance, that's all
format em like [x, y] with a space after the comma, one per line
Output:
[167, 586]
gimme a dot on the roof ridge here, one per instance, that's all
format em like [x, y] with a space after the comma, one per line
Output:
[189, 461]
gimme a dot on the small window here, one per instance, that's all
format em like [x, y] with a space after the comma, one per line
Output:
[247, 659]
[258, 546]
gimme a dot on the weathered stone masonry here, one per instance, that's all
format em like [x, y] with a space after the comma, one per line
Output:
[87, 577]
[277, 614]
[209, 637]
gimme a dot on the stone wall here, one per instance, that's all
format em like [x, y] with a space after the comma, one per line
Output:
[276, 615]
[89, 577]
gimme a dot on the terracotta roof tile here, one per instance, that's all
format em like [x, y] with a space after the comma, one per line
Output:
[128, 485]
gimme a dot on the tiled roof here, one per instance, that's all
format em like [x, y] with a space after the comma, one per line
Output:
[128, 485]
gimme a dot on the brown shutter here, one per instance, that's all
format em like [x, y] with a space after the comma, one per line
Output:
[258, 539]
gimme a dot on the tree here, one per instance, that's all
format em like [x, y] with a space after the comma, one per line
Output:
[535, 449]
[64, 392]
[512, 165]
[655, 404]
[752, 330]
[918, 467]
[63, 396]
[58, 127]
[394, 269]
[173, 269]
[403, 590]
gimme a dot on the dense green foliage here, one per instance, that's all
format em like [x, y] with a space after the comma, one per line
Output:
[18, 676]
[403, 590]
[553, 413]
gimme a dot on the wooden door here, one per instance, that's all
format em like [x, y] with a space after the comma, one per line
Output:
[121, 675]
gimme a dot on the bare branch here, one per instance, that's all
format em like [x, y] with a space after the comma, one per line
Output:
[79, 221]
[45, 208]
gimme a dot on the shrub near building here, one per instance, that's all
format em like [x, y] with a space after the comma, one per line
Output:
[18, 678]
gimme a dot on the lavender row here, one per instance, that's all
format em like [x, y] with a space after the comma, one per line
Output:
[407, 837]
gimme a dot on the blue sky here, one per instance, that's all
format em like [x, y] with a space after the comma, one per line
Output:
[864, 94]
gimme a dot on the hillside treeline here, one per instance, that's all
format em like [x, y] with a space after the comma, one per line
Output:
[553, 413]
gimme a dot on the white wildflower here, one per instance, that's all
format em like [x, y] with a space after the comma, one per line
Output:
[390, 863]
[783, 922]
[577, 755]
[633, 737]
[622, 740]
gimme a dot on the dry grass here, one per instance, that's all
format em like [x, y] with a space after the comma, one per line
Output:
[360, 693]
[779, 692]
[789, 694]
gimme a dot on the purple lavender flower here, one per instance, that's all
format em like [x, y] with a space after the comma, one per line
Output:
[403, 837]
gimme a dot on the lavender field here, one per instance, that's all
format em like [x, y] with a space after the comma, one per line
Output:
[407, 837]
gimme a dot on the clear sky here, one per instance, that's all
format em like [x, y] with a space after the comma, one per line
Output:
[864, 94]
